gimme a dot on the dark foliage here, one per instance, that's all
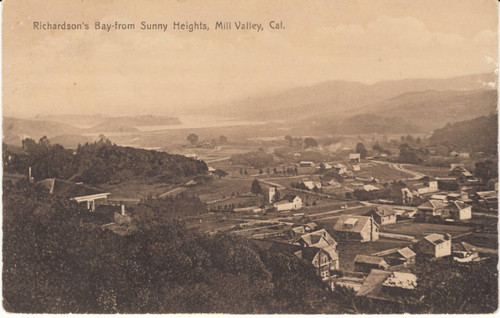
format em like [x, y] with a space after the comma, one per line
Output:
[256, 159]
[479, 134]
[56, 261]
[101, 162]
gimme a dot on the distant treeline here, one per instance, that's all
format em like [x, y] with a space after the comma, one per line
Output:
[99, 162]
[475, 135]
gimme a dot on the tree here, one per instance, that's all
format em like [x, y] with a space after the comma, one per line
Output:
[360, 148]
[289, 139]
[486, 170]
[220, 173]
[222, 139]
[192, 138]
[256, 188]
[310, 142]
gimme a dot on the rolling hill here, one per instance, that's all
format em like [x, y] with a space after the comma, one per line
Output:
[478, 134]
[340, 98]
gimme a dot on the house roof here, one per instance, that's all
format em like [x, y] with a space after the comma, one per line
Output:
[460, 205]
[369, 187]
[439, 197]
[406, 252]
[462, 246]
[373, 284]
[382, 211]
[435, 238]
[69, 189]
[401, 280]
[487, 194]
[358, 225]
[312, 225]
[289, 197]
[308, 253]
[319, 238]
[432, 204]
[368, 259]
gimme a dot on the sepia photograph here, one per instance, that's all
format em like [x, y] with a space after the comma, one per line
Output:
[250, 157]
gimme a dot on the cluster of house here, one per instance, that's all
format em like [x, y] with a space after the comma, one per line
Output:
[381, 275]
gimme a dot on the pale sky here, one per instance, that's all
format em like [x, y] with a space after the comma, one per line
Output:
[138, 72]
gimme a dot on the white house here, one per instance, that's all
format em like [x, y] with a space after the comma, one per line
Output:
[435, 245]
[355, 157]
[288, 203]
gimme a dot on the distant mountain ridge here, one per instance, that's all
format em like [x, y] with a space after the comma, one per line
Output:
[72, 129]
[337, 97]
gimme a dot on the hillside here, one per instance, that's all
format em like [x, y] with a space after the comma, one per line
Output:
[336, 97]
[479, 134]
[15, 129]
[101, 162]
[411, 112]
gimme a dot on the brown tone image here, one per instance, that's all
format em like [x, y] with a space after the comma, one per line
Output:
[250, 157]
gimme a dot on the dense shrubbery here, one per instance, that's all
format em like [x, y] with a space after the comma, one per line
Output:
[55, 261]
[256, 159]
[100, 162]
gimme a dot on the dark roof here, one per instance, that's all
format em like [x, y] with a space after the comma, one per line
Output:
[368, 259]
[289, 197]
[68, 189]
[308, 253]
[406, 252]
[435, 238]
[381, 211]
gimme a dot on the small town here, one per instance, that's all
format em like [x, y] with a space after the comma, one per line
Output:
[326, 157]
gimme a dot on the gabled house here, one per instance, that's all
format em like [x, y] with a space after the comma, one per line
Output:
[435, 245]
[383, 215]
[288, 203]
[306, 164]
[311, 185]
[430, 209]
[320, 249]
[365, 263]
[403, 256]
[319, 238]
[487, 199]
[358, 228]
[85, 195]
[456, 210]
[462, 174]
[340, 168]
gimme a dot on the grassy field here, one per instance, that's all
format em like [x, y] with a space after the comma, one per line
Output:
[135, 189]
[429, 170]
[488, 240]
[382, 172]
[223, 188]
[422, 229]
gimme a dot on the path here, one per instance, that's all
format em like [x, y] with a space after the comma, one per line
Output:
[399, 166]
[172, 192]
[218, 159]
